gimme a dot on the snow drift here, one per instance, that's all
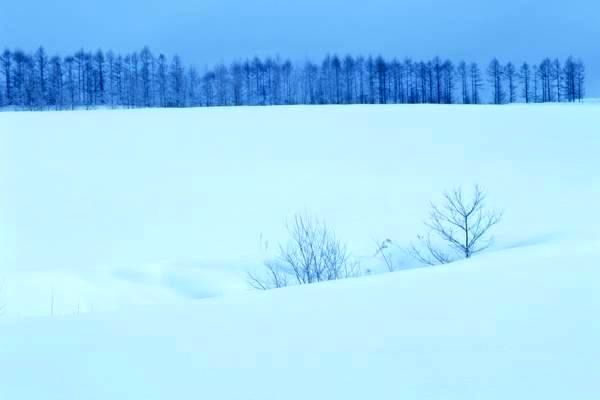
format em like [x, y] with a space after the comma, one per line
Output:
[518, 324]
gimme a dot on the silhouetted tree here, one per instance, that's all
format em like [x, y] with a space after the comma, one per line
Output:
[510, 75]
[476, 83]
[464, 82]
[177, 97]
[55, 89]
[40, 83]
[495, 75]
[556, 73]
[525, 78]
[579, 80]
[6, 66]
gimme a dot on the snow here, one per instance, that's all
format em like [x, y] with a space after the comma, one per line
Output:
[104, 209]
[125, 237]
[516, 324]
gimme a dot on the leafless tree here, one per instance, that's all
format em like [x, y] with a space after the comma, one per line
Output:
[464, 82]
[525, 78]
[312, 254]
[510, 74]
[495, 76]
[476, 83]
[459, 227]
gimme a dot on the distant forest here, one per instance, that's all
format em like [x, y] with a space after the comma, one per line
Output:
[38, 81]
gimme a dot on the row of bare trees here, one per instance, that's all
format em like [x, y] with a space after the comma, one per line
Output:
[459, 227]
[550, 81]
[39, 81]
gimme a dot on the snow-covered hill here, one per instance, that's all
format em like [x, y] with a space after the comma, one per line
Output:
[105, 209]
[115, 226]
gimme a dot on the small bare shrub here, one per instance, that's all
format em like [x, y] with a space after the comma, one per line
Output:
[312, 254]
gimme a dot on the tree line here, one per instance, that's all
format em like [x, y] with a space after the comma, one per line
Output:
[38, 81]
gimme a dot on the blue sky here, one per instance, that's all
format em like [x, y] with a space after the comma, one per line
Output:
[209, 31]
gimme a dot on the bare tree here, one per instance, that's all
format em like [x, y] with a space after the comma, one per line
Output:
[545, 72]
[312, 254]
[6, 65]
[476, 83]
[55, 89]
[557, 74]
[460, 226]
[464, 84]
[41, 67]
[525, 78]
[580, 80]
[510, 73]
[495, 76]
